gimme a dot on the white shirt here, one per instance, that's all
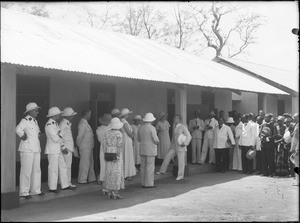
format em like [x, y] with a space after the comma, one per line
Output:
[85, 134]
[29, 126]
[221, 136]
[213, 123]
[54, 143]
[248, 135]
[196, 133]
[66, 133]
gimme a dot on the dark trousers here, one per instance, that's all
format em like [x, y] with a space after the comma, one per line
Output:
[247, 165]
[258, 160]
[267, 158]
[221, 159]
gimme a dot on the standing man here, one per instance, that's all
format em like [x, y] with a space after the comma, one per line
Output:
[221, 135]
[176, 148]
[85, 142]
[247, 142]
[67, 138]
[54, 148]
[268, 147]
[147, 136]
[295, 147]
[210, 124]
[259, 121]
[196, 127]
[30, 153]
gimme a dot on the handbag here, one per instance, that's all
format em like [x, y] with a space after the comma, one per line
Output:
[110, 156]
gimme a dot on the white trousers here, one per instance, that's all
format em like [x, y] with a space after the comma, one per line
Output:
[102, 166]
[147, 170]
[57, 169]
[68, 161]
[208, 143]
[196, 150]
[30, 175]
[86, 166]
[181, 162]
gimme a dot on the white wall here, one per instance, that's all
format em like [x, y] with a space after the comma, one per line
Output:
[270, 104]
[247, 104]
[223, 100]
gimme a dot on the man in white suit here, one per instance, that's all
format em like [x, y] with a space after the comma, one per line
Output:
[67, 139]
[176, 148]
[54, 149]
[85, 142]
[30, 153]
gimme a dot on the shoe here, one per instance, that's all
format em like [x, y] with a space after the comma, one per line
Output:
[69, 188]
[53, 191]
[179, 178]
[27, 197]
[41, 194]
[199, 164]
[83, 183]
[91, 182]
[218, 170]
[158, 173]
[105, 192]
[72, 185]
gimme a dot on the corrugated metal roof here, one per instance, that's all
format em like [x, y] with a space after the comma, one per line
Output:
[40, 42]
[286, 78]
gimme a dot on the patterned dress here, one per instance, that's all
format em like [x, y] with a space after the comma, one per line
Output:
[281, 155]
[114, 178]
[164, 139]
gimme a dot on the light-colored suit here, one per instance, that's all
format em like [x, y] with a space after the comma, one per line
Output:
[148, 139]
[67, 140]
[177, 149]
[208, 141]
[85, 142]
[30, 157]
[57, 167]
[196, 138]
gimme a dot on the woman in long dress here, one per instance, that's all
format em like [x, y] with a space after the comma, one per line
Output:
[114, 179]
[162, 128]
[101, 131]
[128, 157]
[136, 145]
[237, 153]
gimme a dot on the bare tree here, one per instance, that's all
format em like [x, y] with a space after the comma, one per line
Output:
[133, 23]
[96, 18]
[209, 23]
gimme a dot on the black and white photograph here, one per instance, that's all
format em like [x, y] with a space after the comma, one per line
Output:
[145, 111]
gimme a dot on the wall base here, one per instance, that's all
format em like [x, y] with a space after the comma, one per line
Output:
[10, 200]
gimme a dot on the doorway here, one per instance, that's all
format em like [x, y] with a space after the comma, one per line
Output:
[102, 100]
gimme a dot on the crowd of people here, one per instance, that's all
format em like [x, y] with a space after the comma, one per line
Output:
[263, 145]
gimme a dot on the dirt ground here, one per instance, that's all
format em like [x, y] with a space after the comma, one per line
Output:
[227, 196]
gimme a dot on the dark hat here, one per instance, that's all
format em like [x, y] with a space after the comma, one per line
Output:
[287, 115]
[269, 115]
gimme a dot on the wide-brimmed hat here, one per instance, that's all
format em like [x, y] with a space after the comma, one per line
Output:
[125, 111]
[115, 123]
[287, 115]
[149, 117]
[68, 112]
[181, 139]
[230, 120]
[54, 111]
[251, 154]
[115, 111]
[31, 106]
[137, 117]
[281, 118]
[266, 131]
[212, 113]
[269, 115]
[105, 119]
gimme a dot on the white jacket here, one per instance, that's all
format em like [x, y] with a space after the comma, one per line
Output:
[221, 136]
[101, 131]
[29, 126]
[248, 135]
[210, 132]
[85, 137]
[66, 133]
[54, 143]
